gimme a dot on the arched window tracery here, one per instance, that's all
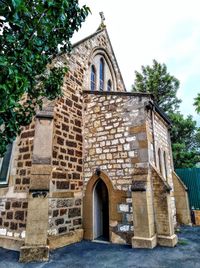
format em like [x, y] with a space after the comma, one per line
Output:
[109, 85]
[159, 160]
[101, 74]
[93, 78]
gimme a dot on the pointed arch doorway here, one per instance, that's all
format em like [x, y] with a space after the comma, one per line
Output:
[100, 211]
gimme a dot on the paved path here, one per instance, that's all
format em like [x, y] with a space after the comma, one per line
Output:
[95, 255]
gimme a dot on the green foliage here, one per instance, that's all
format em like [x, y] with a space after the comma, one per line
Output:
[187, 126]
[197, 103]
[185, 141]
[185, 135]
[32, 31]
[160, 83]
[183, 242]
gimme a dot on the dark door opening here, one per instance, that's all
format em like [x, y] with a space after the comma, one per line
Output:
[101, 212]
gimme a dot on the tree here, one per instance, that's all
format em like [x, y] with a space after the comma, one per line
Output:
[197, 103]
[30, 34]
[158, 81]
[185, 135]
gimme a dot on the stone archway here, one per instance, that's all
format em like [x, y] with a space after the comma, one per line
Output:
[100, 211]
[88, 204]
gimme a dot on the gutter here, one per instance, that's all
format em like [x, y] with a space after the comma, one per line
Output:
[153, 106]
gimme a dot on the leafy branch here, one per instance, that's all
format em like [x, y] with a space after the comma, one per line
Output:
[28, 45]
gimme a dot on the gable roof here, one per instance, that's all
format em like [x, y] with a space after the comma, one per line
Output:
[87, 37]
[98, 31]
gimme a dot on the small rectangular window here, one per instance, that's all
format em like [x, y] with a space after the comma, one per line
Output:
[4, 165]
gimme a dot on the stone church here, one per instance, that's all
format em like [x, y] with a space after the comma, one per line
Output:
[95, 164]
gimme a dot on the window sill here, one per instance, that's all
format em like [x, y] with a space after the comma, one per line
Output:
[3, 185]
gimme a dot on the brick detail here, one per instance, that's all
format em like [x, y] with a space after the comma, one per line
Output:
[66, 215]
[23, 157]
[13, 216]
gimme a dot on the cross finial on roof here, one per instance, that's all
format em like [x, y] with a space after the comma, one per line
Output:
[102, 25]
[102, 17]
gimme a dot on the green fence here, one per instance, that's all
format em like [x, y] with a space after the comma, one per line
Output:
[191, 178]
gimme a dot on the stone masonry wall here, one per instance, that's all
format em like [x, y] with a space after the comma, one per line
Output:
[66, 178]
[110, 145]
[65, 215]
[161, 133]
[108, 141]
[13, 213]
[23, 158]
[13, 208]
[67, 155]
[90, 131]
[161, 140]
[84, 52]
[67, 143]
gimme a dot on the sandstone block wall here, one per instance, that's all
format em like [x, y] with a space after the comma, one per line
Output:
[112, 145]
[67, 145]
[161, 134]
[67, 173]
[23, 158]
[65, 215]
[108, 141]
[181, 201]
[13, 213]
[67, 156]
[65, 204]
[159, 138]
[109, 131]
[14, 203]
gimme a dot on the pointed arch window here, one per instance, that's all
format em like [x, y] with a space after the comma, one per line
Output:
[159, 160]
[93, 78]
[101, 74]
[4, 165]
[109, 85]
[165, 164]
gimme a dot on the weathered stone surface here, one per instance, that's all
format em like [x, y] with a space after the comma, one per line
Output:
[167, 241]
[63, 194]
[74, 212]
[37, 221]
[116, 239]
[59, 221]
[139, 242]
[37, 253]
[123, 207]
[19, 215]
[62, 184]
[62, 230]
[124, 228]
[66, 239]
[10, 215]
[138, 186]
[13, 243]
[80, 133]
[181, 201]
[42, 149]
[16, 204]
[65, 203]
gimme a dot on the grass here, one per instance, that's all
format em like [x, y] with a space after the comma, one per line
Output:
[183, 242]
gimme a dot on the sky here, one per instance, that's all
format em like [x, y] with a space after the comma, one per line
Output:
[143, 30]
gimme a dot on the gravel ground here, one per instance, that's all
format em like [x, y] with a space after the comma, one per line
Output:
[97, 255]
